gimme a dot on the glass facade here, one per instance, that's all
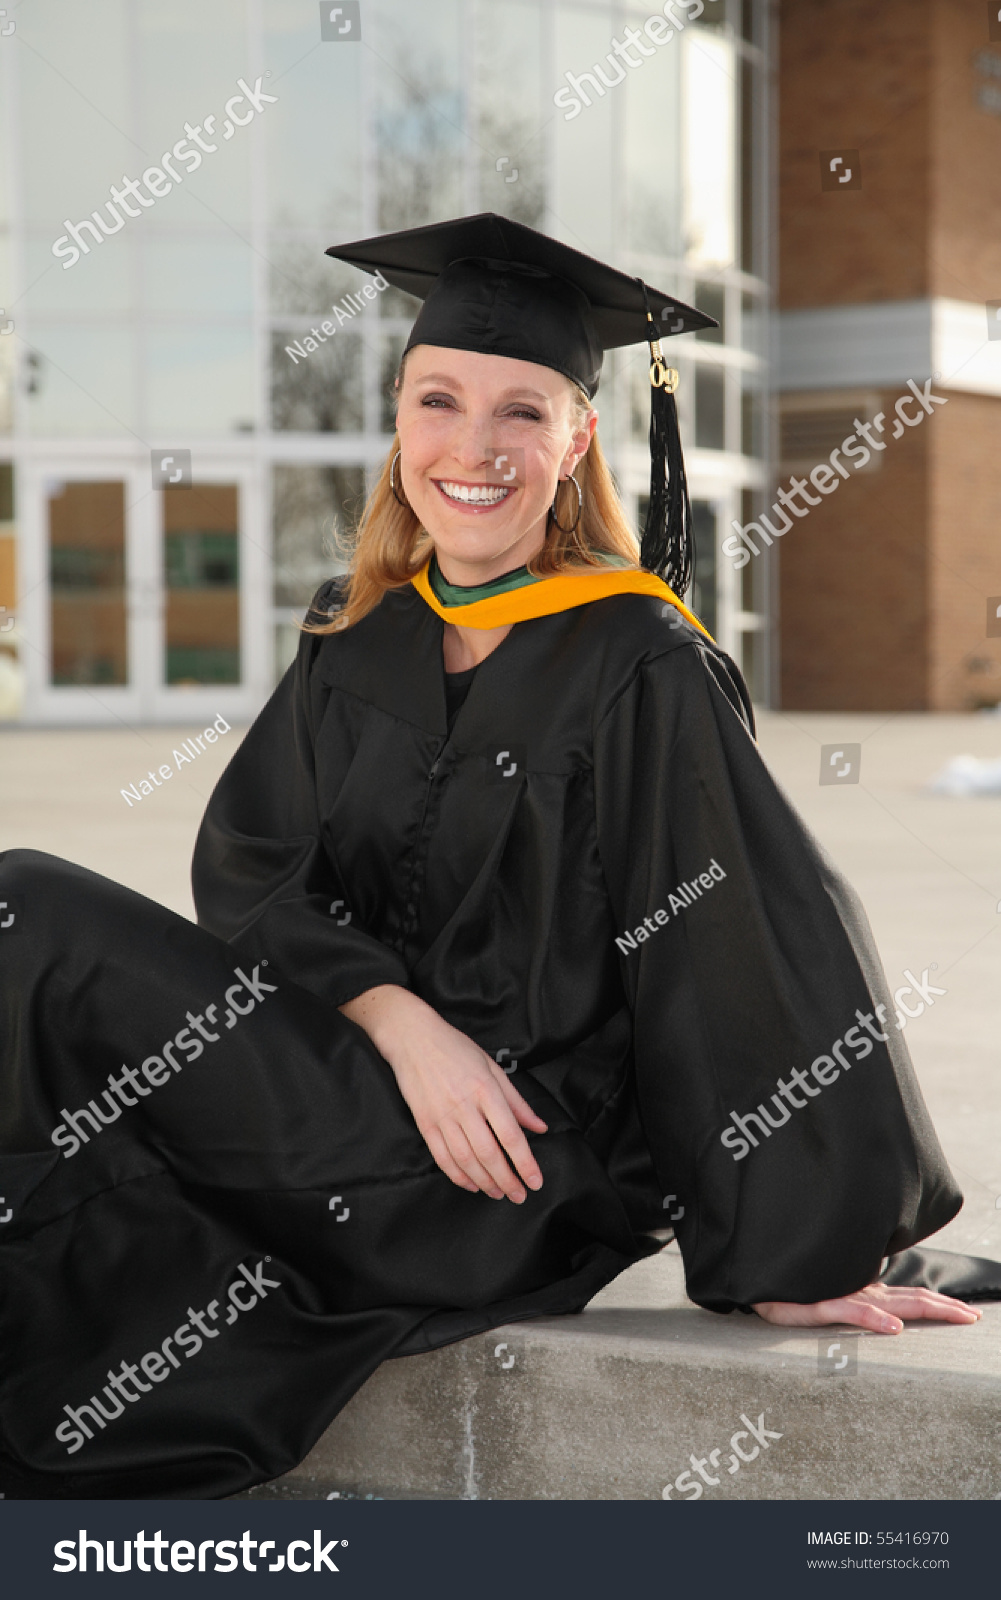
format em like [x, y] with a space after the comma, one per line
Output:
[170, 175]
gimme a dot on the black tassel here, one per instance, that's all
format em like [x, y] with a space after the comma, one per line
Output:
[667, 547]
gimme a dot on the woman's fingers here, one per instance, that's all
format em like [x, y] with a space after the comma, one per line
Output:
[483, 1135]
[879, 1308]
[512, 1140]
[925, 1305]
[520, 1107]
[444, 1159]
[476, 1126]
[858, 1313]
[469, 1113]
[480, 1171]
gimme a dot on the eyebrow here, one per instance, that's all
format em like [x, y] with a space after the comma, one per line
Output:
[452, 383]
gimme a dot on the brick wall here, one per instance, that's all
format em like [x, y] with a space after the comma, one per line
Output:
[884, 587]
[853, 580]
[964, 552]
[857, 75]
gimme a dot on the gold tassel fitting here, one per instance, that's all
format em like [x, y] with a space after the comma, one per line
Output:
[661, 375]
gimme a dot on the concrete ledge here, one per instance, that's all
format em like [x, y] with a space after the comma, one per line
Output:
[610, 1405]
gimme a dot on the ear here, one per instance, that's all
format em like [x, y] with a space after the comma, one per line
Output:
[579, 442]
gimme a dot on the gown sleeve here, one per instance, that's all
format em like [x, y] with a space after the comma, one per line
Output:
[763, 968]
[260, 875]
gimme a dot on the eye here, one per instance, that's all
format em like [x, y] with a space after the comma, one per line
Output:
[526, 413]
[440, 401]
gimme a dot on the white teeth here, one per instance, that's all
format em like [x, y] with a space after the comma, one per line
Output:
[475, 493]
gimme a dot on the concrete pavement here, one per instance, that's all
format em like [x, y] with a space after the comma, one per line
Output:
[615, 1403]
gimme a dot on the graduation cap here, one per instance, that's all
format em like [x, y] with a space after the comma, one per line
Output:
[501, 288]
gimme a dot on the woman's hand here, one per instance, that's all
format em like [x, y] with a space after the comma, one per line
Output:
[878, 1308]
[466, 1109]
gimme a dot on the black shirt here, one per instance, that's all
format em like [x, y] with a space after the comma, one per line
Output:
[457, 686]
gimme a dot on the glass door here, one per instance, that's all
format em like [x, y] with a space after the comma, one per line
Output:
[76, 575]
[141, 603]
[211, 653]
[88, 604]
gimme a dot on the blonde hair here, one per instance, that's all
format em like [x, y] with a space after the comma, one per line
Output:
[389, 545]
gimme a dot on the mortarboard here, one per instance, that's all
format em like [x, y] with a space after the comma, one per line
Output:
[501, 288]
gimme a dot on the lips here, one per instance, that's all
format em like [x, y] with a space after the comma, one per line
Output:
[472, 494]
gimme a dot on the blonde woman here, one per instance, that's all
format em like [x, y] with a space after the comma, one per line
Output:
[511, 960]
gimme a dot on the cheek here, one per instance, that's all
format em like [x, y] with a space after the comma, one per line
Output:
[427, 434]
[542, 465]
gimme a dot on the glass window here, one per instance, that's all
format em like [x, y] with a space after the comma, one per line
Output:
[395, 303]
[5, 201]
[189, 56]
[80, 380]
[709, 407]
[8, 364]
[103, 281]
[753, 652]
[636, 370]
[10, 671]
[508, 87]
[752, 576]
[421, 142]
[202, 582]
[752, 420]
[708, 143]
[210, 274]
[320, 391]
[75, 109]
[87, 583]
[753, 323]
[711, 298]
[314, 143]
[584, 203]
[651, 148]
[703, 592]
[392, 355]
[304, 281]
[200, 378]
[748, 168]
[315, 512]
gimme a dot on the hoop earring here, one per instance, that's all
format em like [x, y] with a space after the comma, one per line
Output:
[392, 483]
[580, 507]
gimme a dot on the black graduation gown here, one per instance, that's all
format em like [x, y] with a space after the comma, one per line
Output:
[221, 1215]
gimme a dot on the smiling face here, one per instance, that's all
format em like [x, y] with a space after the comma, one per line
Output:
[484, 441]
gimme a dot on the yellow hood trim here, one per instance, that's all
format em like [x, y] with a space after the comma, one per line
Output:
[563, 592]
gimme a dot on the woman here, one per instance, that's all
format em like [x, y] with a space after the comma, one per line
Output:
[497, 903]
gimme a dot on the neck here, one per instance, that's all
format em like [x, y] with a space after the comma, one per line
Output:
[468, 574]
[463, 648]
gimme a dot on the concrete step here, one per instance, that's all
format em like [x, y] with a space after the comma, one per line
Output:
[612, 1405]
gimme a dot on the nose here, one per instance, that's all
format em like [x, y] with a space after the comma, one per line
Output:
[471, 444]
